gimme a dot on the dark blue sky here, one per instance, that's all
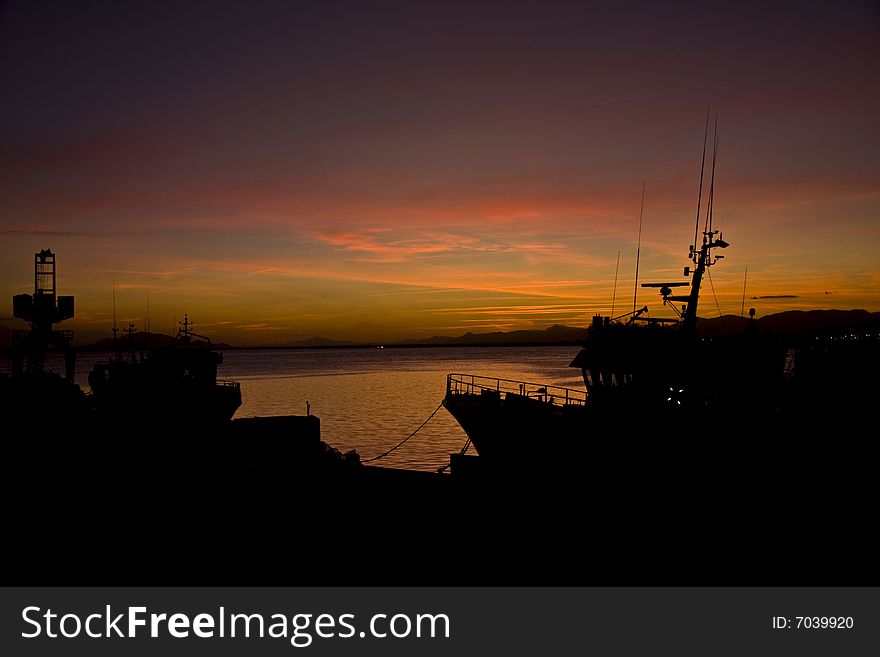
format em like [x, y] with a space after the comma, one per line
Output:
[486, 157]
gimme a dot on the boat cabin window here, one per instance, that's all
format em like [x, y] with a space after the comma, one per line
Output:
[596, 377]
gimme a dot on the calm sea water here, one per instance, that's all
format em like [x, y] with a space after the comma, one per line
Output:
[371, 399]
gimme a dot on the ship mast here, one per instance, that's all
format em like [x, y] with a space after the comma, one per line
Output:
[702, 257]
[704, 261]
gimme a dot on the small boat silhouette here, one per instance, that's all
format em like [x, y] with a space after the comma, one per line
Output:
[174, 385]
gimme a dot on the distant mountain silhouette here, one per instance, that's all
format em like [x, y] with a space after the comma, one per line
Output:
[819, 322]
[555, 334]
[790, 322]
[141, 341]
[796, 323]
[318, 341]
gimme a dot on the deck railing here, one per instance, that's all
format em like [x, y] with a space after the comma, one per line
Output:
[470, 384]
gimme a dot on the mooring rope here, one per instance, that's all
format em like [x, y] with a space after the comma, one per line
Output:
[717, 305]
[464, 449]
[376, 458]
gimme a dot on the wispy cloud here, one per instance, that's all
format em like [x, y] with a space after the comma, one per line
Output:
[384, 245]
[48, 232]
[382, 251]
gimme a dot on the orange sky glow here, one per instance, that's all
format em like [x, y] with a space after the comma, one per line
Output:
[382, 173]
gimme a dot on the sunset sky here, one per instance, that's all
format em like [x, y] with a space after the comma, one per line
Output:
[382, 170]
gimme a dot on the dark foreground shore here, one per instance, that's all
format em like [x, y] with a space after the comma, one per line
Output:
[802, 514]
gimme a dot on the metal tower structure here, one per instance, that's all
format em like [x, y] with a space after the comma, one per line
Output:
[42, 310]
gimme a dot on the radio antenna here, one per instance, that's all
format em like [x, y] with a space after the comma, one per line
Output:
[614, 294]
[147, 337]
[639, 248]
[709, 206]
[700, 193]
[115, 328]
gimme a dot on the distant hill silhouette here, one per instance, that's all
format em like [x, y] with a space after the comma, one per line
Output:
[140, 341]
[819, 322]
[555, 334]
[795, 323]
[790, 322]
[318, 341]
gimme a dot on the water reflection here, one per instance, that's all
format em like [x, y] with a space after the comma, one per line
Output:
[370, 399]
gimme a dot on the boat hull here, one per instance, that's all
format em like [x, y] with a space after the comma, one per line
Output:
[172, 406]
[507, 428]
